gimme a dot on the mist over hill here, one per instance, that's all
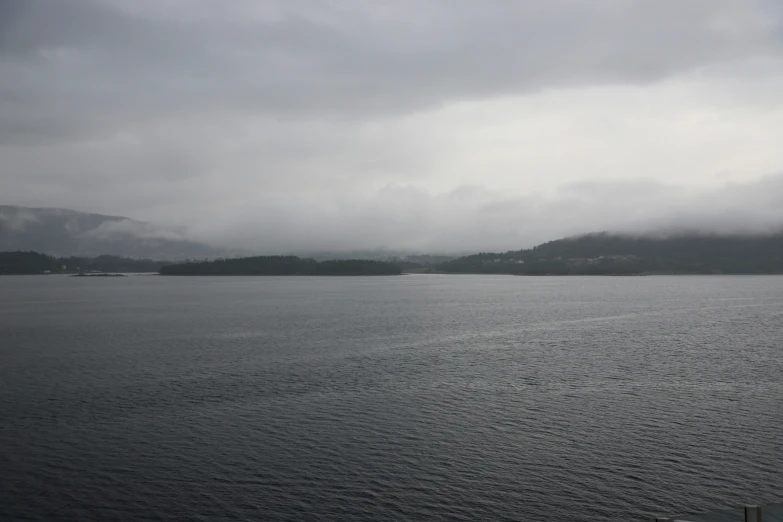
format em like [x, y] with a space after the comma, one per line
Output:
[63, 232]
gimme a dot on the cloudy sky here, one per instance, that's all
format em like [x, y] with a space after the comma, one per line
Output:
[431, 125]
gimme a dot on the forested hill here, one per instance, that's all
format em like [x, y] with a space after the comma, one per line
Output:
[620, 254]
[282, 265]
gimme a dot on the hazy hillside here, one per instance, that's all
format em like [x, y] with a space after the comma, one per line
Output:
[622, 254]
[61, 232]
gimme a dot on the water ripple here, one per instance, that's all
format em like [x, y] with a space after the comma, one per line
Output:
[428, 398]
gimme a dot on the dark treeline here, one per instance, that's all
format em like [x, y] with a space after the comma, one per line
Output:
[606, 254]
[37, 263]
[282, 265]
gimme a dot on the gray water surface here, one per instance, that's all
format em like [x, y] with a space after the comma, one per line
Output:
[399, 398]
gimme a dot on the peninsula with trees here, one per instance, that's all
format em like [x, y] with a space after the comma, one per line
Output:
[30, 263]
[283, 265]
[620, 254]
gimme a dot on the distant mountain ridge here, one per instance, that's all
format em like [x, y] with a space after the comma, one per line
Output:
[68, 233]
[63, 232]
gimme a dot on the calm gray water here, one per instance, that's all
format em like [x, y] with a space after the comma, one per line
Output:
[407, 398]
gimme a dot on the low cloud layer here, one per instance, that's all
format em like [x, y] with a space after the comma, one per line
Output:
[436, 125]
[471, 219]
[128, 228]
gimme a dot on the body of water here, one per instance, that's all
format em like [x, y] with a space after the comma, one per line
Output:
[388, 398]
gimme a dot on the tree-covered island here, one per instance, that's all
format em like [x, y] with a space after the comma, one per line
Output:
[283, 265]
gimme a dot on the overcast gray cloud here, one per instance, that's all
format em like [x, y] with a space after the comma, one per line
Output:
[440, 124]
